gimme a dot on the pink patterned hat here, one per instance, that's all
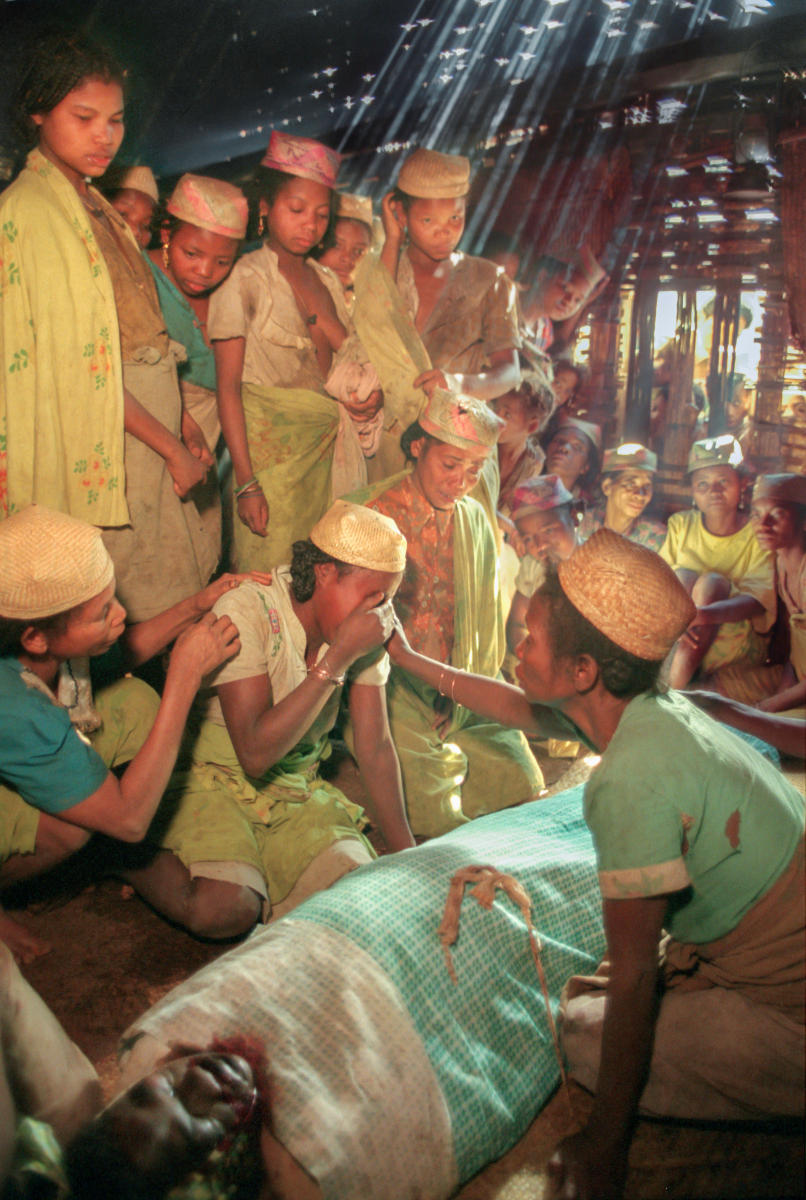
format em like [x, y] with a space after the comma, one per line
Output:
[460, 420]
[210, 204]
[539, 494]
[303, 157]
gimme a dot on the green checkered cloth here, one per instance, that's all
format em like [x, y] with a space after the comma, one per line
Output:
[487, 1037]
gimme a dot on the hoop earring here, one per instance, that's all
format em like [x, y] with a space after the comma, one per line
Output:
[165, 259]
[261, 225]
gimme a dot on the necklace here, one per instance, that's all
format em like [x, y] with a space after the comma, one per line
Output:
[309, 317]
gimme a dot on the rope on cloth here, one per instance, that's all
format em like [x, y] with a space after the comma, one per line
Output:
[486, 880]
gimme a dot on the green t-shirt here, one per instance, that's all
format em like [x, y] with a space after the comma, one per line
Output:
[680, 804]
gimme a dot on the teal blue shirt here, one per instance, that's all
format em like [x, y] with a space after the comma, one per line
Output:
[183, 326]
[680, 804]
[41, 755]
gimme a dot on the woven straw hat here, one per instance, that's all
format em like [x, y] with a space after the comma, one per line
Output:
[785, 489]
[210, 204]
[303, 157]
[429, 175]
[722, 451]
[354, 208]
[140, 179]
[360, 536]
[460, 420]
[628, 593]
[49, 563]
[629, 455]
[539, 494]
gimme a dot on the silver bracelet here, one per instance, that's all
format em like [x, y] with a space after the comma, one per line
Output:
[319, 672]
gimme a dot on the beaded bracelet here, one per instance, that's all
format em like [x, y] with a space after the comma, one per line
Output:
[319, 672]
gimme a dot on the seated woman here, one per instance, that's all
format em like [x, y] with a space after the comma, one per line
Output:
[675, 808]
[626, 484]
[454, 765]
[57, 600]
[717, 558]
[247, 803]
[573, 453]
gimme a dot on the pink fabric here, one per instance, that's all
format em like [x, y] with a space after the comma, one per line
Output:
[302, 156]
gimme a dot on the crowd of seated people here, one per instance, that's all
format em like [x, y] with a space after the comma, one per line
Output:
[365, 437]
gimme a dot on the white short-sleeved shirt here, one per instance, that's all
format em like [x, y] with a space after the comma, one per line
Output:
[273, 642]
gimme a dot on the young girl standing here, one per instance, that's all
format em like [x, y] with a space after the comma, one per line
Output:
[729, 577]
[83, 348]
[275, 326]
[207, 220]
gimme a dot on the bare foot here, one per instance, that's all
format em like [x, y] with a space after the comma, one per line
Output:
[24, 945]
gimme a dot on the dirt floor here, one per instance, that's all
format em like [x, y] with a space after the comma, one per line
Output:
[112, 958]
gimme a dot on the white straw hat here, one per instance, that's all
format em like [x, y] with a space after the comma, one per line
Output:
[49, 563]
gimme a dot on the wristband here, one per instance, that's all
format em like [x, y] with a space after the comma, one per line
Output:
[319, 672]
[245, 486]
[256, 490]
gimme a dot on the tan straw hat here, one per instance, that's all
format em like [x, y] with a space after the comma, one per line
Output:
[354, 208]
[429, 175]
[360, 536]
[139, 179]
[49, 563]
[628, 593]
[783, 489]
[460, 420]
[210, 204]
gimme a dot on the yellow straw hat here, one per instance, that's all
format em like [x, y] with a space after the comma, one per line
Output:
[49, 563]
[360, 536]
[429, 175]
[628, 593]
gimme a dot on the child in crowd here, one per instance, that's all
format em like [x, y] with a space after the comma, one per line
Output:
[348, 239]
[248, 804]
[719, 561]
[524, 410]
[557, 299]
[544, 512]
[778, 519]
[207, 220]
[568, 379]
[626, 484]
[84, 348]
[57, 601]
[134, 194]
[277, 325]
[454, 765]
[572, 452]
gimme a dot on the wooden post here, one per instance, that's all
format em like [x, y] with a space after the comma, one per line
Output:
[764, 444]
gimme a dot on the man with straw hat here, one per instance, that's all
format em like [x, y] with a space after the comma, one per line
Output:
[696, 834]
[250, 804]
[57, 601]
